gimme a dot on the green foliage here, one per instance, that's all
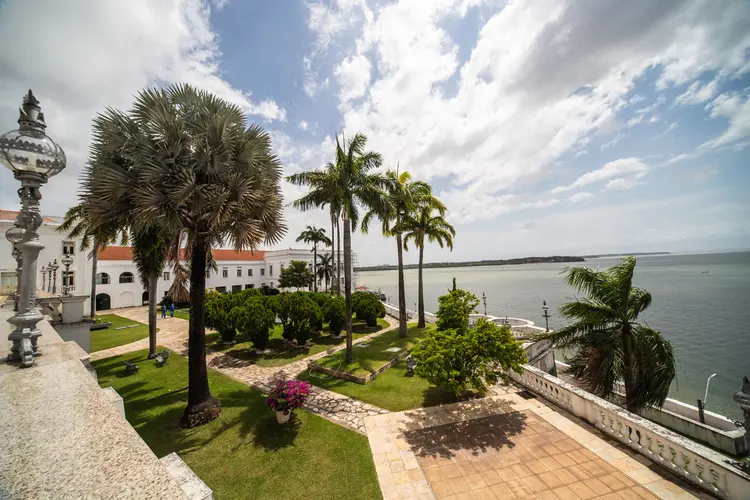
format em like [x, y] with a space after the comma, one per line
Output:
[467, 359]
[299, 315]
[218, 317]
[454, 309]
[255, 320]
[367, 307]
[296, 275]
[334, 313]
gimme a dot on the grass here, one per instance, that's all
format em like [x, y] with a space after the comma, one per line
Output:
[244, 453]
[182, 313]
[392, 390]
[281, 354]
[104, 339]
[369, 358]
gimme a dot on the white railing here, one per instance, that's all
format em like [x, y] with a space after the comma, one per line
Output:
[689, 460]
[392, 310]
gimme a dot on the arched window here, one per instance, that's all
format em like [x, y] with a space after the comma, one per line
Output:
[102, 279]
[127, 278]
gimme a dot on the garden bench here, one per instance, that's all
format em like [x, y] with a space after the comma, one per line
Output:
[411, 365]
[161, 358]
[130, 368]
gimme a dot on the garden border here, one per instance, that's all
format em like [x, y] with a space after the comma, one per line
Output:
[312, 365]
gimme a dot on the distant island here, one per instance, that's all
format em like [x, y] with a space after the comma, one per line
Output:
[504, 262]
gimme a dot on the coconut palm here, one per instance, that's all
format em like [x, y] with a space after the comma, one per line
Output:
[345, 185]
[325, 268]
[426, 222]
[182, 162]
[608, 341]
[404, 195]
[314, 235]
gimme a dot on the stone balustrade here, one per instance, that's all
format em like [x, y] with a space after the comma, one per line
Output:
[698, 464]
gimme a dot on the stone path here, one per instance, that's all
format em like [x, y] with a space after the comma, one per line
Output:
[173, 334]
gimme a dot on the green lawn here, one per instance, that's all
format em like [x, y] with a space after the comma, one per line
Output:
[369, 358]
[104, 339]
[282, 355]
[244, 453]
[393, 389]
[182, 313]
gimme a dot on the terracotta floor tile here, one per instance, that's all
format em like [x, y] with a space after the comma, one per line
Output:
[467, 495]
[442, 489]
[427, 462]
[484, 465]
[484, 494]
[568, 444]
[583, 491]
[595, 468]
[434, 475]
[537, 452]
[597, 486]
[565, 493]
[502, 492]
[415, 474]
[611, 496]
[536, 466]
[536, 484]
[615, 481]
[459, 485]
[518, 488]
[491, 477]
[589, 454]
[551, 450]
[467, 468]
[449, 471]
[564, 460]
[523, 454]
[521, 471]
[476, 481]
[546, 495]
[506, 475]
[550, 463]
[566, 476]
[637, 492]
[551, 479]
[579, 472]
[577, 456]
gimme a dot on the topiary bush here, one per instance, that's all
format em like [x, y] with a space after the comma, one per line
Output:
[299, 315]
[218, 317]
[463, 360]
[255, 320]
[454, 309]
[368, 308]
[334, 313]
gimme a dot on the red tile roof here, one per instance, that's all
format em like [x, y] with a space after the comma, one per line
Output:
[12, 214]
[126, 253]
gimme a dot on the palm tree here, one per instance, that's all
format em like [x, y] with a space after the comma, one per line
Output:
[325, 268]
[427, 222]
[345, 185]
[404, 194]
[182, 162]
[314, 235]
[150, 257]
[610, 344]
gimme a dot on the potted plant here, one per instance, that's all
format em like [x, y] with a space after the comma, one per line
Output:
[287, 396]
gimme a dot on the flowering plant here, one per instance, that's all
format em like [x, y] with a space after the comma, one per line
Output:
[288, 395]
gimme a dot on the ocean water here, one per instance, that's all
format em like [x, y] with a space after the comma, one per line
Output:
[701, 303]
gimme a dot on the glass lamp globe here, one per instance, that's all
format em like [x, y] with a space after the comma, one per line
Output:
[28, 149]
[15, 234]
[67, 260]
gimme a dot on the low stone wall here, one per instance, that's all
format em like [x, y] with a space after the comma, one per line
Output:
[354, 378]
[693, 462]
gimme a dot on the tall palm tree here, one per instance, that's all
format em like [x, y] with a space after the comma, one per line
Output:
[609, 343]
[150, 257]
[314, 235]
[346, 184]
[325, 268]
[404, 194]
[181, 161]
[426, 222]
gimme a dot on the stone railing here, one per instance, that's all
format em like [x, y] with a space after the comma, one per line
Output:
[392, 310]
[693, 462]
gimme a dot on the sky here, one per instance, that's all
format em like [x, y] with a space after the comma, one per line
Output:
[548, 127]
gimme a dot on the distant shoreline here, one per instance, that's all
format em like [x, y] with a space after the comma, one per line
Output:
[504, 262]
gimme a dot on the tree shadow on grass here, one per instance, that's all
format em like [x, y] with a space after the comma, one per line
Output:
[273, 436]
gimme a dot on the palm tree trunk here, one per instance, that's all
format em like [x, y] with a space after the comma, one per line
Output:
[401, 289]
[333, 250]
[153, 279]
[348, 287]
[421, 321]
[315, 267]
[94, 264]
[627, 375]
[202, 407]
[338, 266]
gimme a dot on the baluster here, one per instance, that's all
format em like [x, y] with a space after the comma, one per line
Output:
[650, 443]
[672, 456]
[638, 435]
[699, 468]
[715, 479]
[660, 453]
[685, 464]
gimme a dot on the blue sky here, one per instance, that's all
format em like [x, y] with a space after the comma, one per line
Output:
[546, 127]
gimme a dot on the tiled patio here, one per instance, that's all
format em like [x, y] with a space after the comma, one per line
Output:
[503, 447]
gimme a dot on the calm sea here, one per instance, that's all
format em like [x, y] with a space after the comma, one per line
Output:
[701, 303]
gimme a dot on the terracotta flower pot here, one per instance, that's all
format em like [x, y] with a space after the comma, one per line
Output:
[282, 417]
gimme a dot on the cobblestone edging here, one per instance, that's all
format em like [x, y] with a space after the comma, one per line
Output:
[354, 378]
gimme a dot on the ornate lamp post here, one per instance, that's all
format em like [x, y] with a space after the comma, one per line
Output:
[545, 314]
[49, 276]
[484, 299]
[66, 261]
[54, 267]
[34, 158]
[15, 235]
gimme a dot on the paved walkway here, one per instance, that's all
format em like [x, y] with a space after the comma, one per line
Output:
[173, 334]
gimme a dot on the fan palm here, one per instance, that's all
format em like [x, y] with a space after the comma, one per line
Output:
[404, 195]
[314, 235]
[181, 161]
[325, 268]
[426, 222]
[150, 257]
[609, 343]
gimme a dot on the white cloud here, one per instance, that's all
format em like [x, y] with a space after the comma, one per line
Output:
[612, 142]
[697, 93]
[353, 75]
[623, 166]
[303, 125]
[580, 153]
[620, 183]
[635, 120]
[670, 128]
[328, 19]
[737, 109]
[575, 198]
[540, 77]
[312, 85]
[85, 55]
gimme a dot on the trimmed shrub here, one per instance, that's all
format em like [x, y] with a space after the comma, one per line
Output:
[334, 313]
[218, 316]
[299, 315]
[463, 360]
[454, 309]
[255, 320]
[368, 308]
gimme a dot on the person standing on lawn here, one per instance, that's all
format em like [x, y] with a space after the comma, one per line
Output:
[163, 311]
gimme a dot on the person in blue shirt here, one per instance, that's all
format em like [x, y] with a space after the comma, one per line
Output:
[163, 311]
[171, 310]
